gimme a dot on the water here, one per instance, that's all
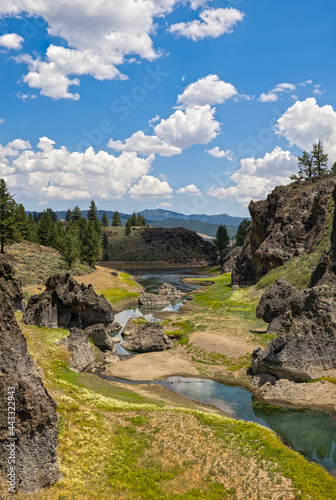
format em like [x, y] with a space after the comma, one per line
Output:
[311, 433]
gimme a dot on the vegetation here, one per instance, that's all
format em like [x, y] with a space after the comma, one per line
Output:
[241, 232]
[313, 164]
[116, 221]
[206, 228]
[7, 219]
[221, 242]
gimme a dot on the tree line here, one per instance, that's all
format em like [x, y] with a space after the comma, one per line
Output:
[314, 163]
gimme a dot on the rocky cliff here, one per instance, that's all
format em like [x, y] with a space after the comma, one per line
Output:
[305, 324]
[288, 224]
[24, 403]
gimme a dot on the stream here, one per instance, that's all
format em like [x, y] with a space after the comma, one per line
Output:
[309, 432]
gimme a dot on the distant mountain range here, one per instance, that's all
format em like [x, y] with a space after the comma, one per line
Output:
[201, 223]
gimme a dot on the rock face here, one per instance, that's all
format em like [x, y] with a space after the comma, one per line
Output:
[166, 294]
[67, 304]
[289, 223]
[35, 411]
[305, 324]
[9, 284]
[81, 351]
[229, 259]
[149, 337]
[100, 338]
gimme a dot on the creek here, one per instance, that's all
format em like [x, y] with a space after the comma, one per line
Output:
[309, 432]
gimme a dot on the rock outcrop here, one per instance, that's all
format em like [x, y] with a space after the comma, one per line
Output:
[288, 224]
[9, 284]
[66, 304]
[35, 427]
[148, 337]
[80, 349]
[305, 324]
[166, 294]
[100, 338]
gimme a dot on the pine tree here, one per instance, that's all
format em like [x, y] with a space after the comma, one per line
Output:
[333, 169]
[68, 215]
[76, 214]
[70, 244]
[116, 221]
[105, 241]
[143, 221]
[221, 242]
[93, 217]
[90, 247]
[133, 219]
[104, 220]
[241, 232]
[319, 159]
[44, 231]
[60, 233]
[20, 220]
[7, 222]
[31, 229]
[305, 165]
[128, 227]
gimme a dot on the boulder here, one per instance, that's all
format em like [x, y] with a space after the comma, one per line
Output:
[67, 304]
[149, 337]
[304, 322]
[35, 411]
[166, 294]
[113, 327]
[80, 349]
[100, 338]
[130, 327]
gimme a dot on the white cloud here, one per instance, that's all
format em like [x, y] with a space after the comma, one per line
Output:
[269, 97]
[195, 4]
[279, 89]
[258, 177]
[317, 90]
[164, 205]
[190, 190]
[11, 41]
[100, 35]
[306, 122]
[2, 120]
[24, 97]
[218, 153]
[183, 129]
[56, 173]
[213, 23]
[150, 188]
[208, 90]
[154, 120]
[284, 87]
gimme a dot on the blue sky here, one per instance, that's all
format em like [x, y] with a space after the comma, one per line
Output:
[129, 98]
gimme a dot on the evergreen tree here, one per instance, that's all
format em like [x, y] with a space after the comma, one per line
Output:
[90, 247]
[68, 215]
[70, 244]
[128, 227]
[104, 220]
[93, 217]
[133, 220]
[52, 214]
[241, 232]
[20, 220]
[221, 242]
[143, 221]
[60, 233]
[305, 165]
[333, 169]
[7, 222]
[76, 214]
[319, 159]
[31, 229]
[44, 229]
[105, 241]
[116, 221]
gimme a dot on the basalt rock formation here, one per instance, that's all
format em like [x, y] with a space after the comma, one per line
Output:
[165, 295]
[288, 224]
[305, 324]
[9, 284]
[148, 337]
[100, 338]
[35, 426]
[80, 349]
[67, 304]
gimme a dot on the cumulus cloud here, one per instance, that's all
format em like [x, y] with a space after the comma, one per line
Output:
[218, 153]
[183, 129]
[190, 190]
[213, 23]
[150, 188]
[11, 41]
[257, 177]
[279, 89]
[208, 90]
[269, 97]
[306, 122]
[56, 173]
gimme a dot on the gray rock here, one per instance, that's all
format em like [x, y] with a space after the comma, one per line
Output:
[170, 291]
[81, 351]
[36, 419]
[130, 327]
[10, 285]
[166, 294]
[149, 337]
[100, 338]
[67, 304]
[113, 327]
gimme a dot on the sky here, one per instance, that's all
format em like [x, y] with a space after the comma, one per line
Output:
[193, 106]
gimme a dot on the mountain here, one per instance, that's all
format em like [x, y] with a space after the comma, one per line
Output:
[200, 227]
[159, 215]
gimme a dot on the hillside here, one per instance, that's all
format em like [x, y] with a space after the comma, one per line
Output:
[293, 223]
[200, 227]
[177, 245]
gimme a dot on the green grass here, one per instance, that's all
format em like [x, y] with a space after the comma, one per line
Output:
[114, 295]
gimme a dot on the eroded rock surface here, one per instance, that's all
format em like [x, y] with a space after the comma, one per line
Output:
[165, 295]
[35, 411]
[9, 284]
[100, 338]
[66, 304]
[148, 337]
[289, 223]
[80, 349]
